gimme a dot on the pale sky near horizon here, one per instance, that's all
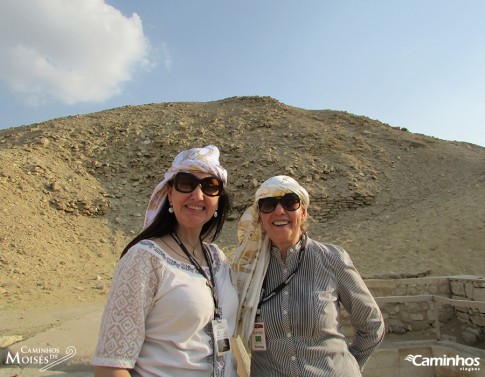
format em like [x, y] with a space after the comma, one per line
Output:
[409, 63]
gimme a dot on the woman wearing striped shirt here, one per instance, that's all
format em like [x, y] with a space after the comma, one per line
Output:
[291, 288]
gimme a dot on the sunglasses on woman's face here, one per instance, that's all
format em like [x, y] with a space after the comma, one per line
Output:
[186, 183]
[290, 202]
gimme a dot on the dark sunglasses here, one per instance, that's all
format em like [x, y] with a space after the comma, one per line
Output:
[186, 182]
[290, 202]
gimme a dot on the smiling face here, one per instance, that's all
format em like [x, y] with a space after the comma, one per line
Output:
[284, 227]
[192, 210]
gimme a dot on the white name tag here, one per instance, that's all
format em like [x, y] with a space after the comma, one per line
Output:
[222, 342]
[258, 338]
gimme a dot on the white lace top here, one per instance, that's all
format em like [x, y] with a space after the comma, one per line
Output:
[158, 315]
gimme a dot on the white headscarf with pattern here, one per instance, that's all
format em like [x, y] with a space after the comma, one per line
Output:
[252, 255]
[204, 159]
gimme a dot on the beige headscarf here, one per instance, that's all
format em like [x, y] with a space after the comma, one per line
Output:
[252, 255]
[204, 159]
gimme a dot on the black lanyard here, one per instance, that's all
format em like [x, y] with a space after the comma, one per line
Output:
[280, 287]
[210, 280]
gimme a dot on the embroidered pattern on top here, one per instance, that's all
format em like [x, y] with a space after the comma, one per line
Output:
[181, 265]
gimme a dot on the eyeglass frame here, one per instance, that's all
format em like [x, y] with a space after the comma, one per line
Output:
[199, 182]
[279, 200]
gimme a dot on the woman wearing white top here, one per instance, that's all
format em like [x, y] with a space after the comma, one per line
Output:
[172, 308]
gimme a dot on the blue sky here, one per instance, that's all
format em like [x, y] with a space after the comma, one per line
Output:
[409, 63]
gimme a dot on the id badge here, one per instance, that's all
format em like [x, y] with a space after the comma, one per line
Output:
[258, 338]
[222, 342]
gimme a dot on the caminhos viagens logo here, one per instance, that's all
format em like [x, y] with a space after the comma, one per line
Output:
[464, 363]
[44, 357]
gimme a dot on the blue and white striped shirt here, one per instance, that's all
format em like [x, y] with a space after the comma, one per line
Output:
[302, 321]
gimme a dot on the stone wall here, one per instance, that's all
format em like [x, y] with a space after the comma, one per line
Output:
[473, 289]
[439, 286]
[325, 207]
[411, 316]
[403, 317]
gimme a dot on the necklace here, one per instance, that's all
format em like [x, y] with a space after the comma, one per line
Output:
[175, 251]
[194, 251]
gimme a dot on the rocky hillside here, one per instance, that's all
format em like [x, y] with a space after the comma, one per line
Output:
[74, 189]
